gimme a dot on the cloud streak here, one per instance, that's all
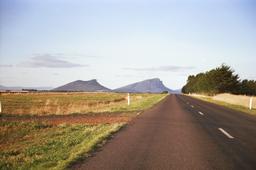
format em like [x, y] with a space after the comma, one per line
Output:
[6, 65]
[68, 55]
[49, 61]
[168, 68]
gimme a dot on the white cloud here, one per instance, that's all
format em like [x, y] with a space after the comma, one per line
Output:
[49, 61]
[6, 65]
[167, 68]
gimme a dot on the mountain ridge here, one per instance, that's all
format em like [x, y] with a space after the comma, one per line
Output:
[154, 85]
[80, 85]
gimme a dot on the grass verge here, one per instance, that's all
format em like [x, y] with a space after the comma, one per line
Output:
[44, 146]
[139, 102]
[231, 106]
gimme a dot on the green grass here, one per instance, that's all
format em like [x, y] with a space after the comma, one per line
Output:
[44, 146]
[231, 106]
[139, 102]
[70, 103]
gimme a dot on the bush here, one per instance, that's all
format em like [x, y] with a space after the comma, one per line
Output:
[165, 92]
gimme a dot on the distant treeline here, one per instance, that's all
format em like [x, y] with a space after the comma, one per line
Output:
[219, 80]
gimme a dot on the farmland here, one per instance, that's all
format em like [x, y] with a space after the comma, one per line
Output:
[52, 130]
[70, 103]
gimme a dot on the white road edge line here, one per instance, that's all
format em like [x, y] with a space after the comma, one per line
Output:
[201, 113]
[226, 133]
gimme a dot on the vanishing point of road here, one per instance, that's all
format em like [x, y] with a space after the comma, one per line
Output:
[180, 133]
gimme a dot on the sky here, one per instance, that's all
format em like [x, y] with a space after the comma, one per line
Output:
[53, 42]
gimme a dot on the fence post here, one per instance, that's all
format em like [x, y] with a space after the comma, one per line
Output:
[128, 99]
[250, 103]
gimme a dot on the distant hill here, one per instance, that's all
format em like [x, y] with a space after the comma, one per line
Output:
[2, 87]
[20, 88]
[177, 91]
[147, 86]
[79, 85]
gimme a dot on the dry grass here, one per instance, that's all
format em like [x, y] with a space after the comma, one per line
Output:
[241, 100]
[237, 102]
[69, 103]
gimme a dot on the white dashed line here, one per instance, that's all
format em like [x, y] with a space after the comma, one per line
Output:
[192, 106]
[201, 113]
[226, 133]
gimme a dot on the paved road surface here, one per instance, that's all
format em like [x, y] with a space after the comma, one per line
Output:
[181, 133]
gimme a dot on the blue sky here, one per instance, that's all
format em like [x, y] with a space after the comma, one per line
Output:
[52, 42]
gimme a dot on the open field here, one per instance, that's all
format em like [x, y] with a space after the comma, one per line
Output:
[45, 146]
[237, 102]
[70, 103]
[41, 131]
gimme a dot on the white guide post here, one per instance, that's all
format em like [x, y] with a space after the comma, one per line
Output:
[0, 107]
[128, 99]
[250, 103]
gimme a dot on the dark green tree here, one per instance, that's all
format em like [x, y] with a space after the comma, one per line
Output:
[219, 80]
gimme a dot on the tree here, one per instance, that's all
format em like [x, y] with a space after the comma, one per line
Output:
[219, 80]
[248, 87]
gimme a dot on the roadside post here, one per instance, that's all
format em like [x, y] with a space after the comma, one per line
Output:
[128, 99]
[0, 107]
[250, 103]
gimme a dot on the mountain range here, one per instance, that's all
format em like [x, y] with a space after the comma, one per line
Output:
[154, 85]
[147, 86]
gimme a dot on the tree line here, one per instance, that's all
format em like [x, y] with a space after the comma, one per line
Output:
[219, 80]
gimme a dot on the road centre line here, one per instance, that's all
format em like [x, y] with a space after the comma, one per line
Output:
[201, 113]
[226, 133]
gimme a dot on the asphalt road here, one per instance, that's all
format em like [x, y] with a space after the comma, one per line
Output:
[181, 133]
